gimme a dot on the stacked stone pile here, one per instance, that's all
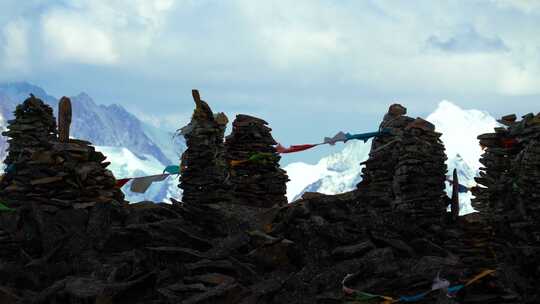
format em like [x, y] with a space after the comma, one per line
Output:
[52, 185]
[406, 170]
[320, 249]
[203, 166]
[255, 176]
[509, 184]
[34, 127]
[508, 194]
[56, 174]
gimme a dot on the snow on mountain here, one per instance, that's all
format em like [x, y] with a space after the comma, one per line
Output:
[460, 129]
[466, 176]
[112, 126]
[341, 171]
[169, 143]
[126, 164]
[337, 173]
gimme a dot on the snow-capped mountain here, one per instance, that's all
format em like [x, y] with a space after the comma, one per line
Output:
[336, 173]
[127, 142]
[460, 128]
[341, 171]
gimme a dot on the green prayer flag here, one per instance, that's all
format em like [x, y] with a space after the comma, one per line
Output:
[172, 169]
[4, 208]
[259, 156]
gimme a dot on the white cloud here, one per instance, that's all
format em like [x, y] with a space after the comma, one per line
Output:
[69, 37]
[103, 32]
[15, 46]
[526, 6]
[515, 80]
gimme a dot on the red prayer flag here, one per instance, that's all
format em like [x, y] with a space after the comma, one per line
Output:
[121, 182]
[509, 142]
[293, 148]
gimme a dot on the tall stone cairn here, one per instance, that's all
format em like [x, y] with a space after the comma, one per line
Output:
[508, 196]
[509, 183]
[203, 167]
[257, 180]
[406, 170]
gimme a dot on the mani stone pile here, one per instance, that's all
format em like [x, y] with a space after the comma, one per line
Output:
[406, 170]
[203, 167]
[508, 195]
[256, 178]
[57, 175]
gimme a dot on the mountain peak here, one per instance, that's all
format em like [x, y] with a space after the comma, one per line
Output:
[459, 128]
[83, 97]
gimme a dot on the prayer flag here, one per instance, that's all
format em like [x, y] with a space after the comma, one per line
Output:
[294, 148]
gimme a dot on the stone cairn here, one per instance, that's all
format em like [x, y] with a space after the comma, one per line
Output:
[203, 166]
[204, 176]
[34, 128]
[508, 195]
[314, 250]
[59, 174]
[256, 179]
[406, 170]
[50, 181]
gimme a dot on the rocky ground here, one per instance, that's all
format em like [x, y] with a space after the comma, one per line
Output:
[391, 240]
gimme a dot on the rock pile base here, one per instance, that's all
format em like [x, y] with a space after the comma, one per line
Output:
[319, 249]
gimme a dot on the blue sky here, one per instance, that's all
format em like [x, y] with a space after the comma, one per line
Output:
[310, 68]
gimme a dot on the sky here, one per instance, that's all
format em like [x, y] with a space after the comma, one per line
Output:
[310, 68]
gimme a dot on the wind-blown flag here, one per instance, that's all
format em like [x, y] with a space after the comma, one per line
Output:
[366, 136]
[121, 182]
[294, 148]
[141, 184]
[339, 137]
[173, 169]
[4, 208]
[259, 157]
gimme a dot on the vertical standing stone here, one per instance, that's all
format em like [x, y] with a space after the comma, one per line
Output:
[204, 170]
[454, 206]
[64, 119]
[255, 176]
